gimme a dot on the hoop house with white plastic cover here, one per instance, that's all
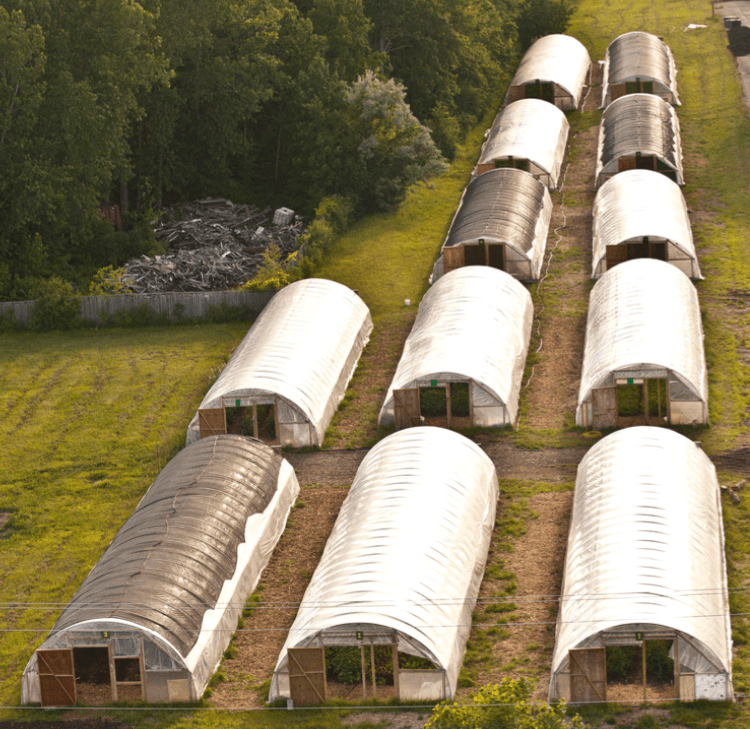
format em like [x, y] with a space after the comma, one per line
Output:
[402, 567]
[639, 132]
[468, 349]
[286, 378]
[502, 222]
[644, 574]
[642, 214]
[530, 135]
[553, 69]
[155, 614]
[639, 62]
[643, 357]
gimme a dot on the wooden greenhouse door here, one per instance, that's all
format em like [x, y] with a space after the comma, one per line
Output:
[615, 255]
[496, 255]
[406, 410]
[604, 407]
[453, 258]
[57, 679]
[212, 421]
[588, 675]
[307, 676]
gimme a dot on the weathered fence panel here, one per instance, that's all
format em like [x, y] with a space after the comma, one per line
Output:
[175, 305]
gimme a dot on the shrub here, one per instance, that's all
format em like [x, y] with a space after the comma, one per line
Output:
[56, 305]
[107, 281]
[273, 273]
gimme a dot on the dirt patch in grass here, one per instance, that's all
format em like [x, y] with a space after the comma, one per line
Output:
[553, 465]
[285, 580]
[388, 720]
[4, 517]
[633, 692]
[560, 302]
[522, 643]
[355, 424]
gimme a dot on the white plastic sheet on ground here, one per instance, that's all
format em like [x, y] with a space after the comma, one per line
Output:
[474, 325]
[406, 555]
[303, 348]
[646, 548]
[645, 314]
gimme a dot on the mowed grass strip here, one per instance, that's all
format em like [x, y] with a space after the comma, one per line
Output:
[87, 421]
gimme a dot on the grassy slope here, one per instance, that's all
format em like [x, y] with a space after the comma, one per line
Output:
[388, 258]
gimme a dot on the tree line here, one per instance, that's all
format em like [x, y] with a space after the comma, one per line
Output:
[272, 102]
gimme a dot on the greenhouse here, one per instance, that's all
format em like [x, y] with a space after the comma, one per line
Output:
[400, 573]
[643, 360]
[644, 611]
[639, 132]
[156, 613]
[554, 69]
[286, 378]
[530, 135]
[464, 358]
[502, 221]
[639, 62]
[642, 214]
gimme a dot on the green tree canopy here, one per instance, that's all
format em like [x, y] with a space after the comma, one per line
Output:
[391, 150]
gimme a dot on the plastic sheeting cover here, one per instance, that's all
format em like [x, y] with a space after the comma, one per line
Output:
[643, 56]
[408, 549]
[559, 59]
[643, 312]
[529, 129]
[639, 203]
[639, 123]
[167, 565]
[303, 347]
[474, 322]
[646, 545]
[505, 206]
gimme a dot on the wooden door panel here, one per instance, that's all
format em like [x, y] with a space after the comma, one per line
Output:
[604, 408]
[57, 680]
[307, 676]
[588, 674]
[406, 410]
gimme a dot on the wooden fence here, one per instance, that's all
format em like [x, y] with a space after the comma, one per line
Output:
[176, 306]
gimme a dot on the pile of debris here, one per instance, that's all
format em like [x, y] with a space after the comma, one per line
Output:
[212, 245]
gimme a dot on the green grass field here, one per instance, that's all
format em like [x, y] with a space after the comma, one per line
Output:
[89, 418]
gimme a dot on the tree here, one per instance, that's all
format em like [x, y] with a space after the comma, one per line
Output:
[506, 705]
[450, 56]
[538, 18]
[22, 88]
[389, 150]
[345, 27]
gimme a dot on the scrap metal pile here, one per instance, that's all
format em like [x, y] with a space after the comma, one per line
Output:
[212, 245]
